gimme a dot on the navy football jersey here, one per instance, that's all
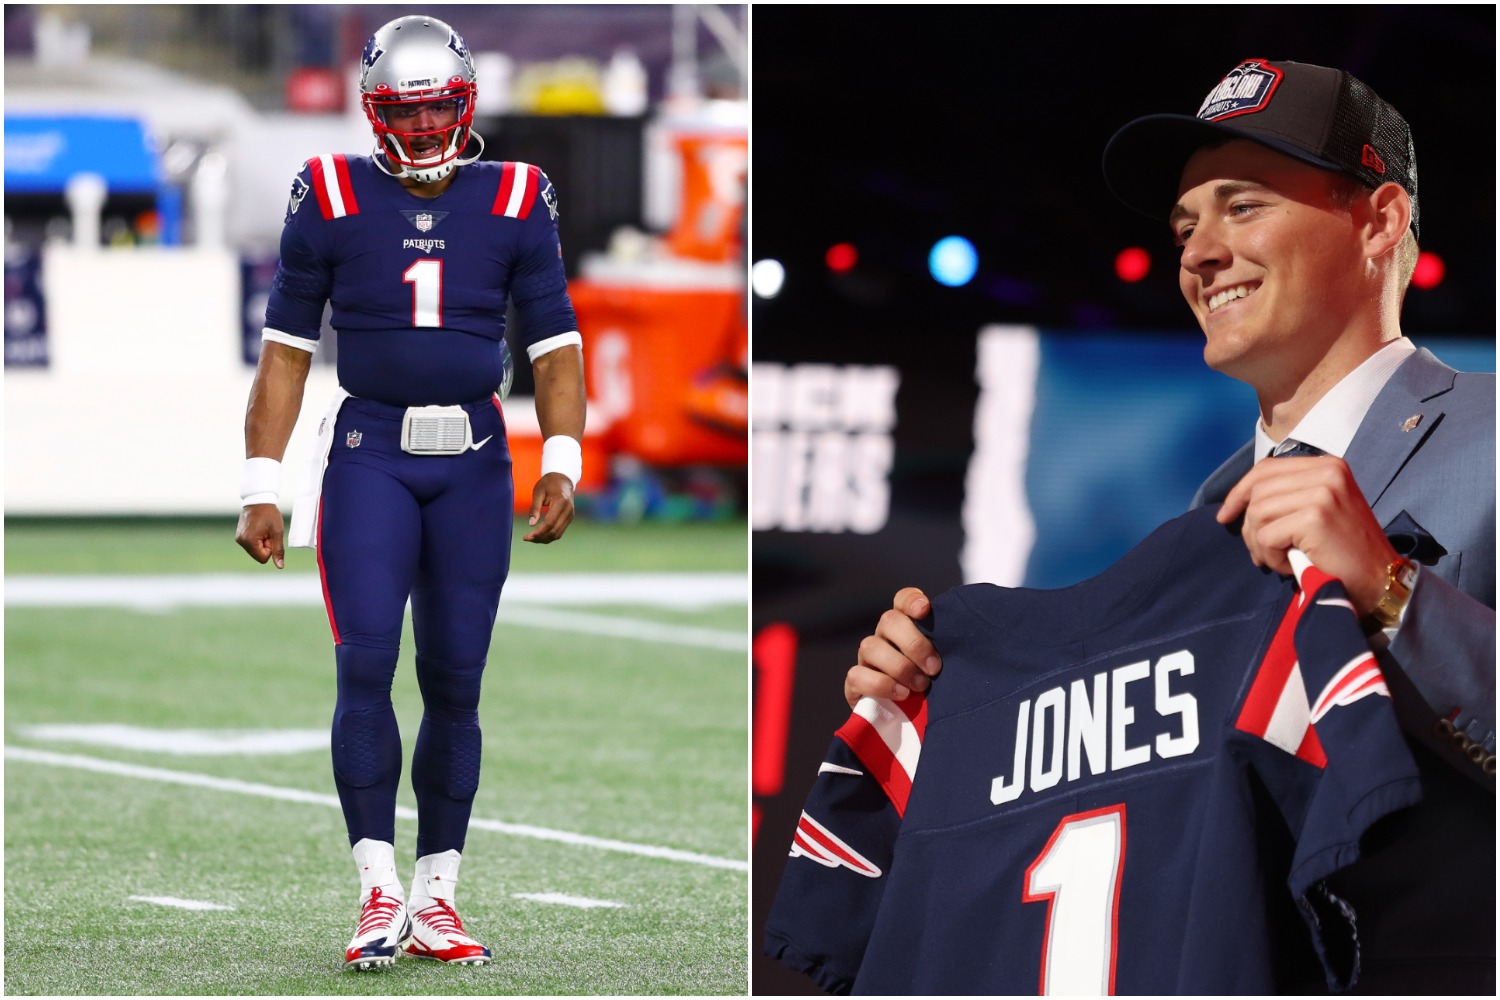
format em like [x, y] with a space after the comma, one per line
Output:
[419, 286]
[1133, 785]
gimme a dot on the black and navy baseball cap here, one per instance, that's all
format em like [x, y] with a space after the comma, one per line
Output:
[1323, 117]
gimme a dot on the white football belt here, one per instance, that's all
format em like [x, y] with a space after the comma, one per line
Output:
[437, 430]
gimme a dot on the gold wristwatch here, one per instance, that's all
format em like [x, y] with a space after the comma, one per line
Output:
[1401, 577]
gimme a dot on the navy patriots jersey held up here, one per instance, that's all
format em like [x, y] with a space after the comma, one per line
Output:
[419, 286]
[1131, 785]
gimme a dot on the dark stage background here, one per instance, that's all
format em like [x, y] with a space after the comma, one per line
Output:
[889, 127]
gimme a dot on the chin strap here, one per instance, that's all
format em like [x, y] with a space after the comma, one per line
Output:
[381, 157]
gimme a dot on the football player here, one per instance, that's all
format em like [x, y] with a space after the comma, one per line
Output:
[418, 246]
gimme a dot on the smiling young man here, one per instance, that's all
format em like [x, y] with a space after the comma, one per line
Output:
[1292, 194]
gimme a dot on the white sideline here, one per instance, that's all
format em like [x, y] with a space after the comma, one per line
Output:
[155, 592]
[103, 766]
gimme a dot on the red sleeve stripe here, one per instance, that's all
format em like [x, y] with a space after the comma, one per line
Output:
[518, 187]
[816, 842]
[1359, 678]
[1276, 709]
[336, 199]
[887, 738]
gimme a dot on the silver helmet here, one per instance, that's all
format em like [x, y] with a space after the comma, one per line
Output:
[416, 86]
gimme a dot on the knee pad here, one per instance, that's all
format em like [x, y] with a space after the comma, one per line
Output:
[366, 746]
[465, 746]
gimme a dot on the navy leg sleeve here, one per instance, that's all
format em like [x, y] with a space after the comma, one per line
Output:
[464, 561]
[367, 553]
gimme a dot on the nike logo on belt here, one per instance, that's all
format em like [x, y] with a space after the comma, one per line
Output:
[476, 446]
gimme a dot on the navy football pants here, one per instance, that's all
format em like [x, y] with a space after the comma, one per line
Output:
[435, 529]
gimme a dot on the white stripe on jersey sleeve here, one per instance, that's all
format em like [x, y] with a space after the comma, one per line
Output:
[518, 189]
[331, 183]
[553, 343]
[289, 340]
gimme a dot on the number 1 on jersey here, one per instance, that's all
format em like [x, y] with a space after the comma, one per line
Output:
[1078, 875]
[426, 280]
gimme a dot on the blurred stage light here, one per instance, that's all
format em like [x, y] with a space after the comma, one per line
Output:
[1430, 270]
[766, 277]
[1132, 264]
[841, 257]
[953, 261]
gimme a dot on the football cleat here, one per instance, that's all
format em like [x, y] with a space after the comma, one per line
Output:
[438, 934]
[383, 924]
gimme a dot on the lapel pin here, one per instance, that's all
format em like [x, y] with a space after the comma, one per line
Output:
[1412, 422]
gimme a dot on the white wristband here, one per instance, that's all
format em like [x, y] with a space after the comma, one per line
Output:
[260, 482]
[564, 454]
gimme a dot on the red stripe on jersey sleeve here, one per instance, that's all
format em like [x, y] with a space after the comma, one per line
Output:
[871, 749]
[320, 186]
[510, 177]
[532, 173]
[1272, 676]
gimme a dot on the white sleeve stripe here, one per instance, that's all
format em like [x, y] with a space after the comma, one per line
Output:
[290, 340]
[331, 185]
[518, 189]
[553, 343]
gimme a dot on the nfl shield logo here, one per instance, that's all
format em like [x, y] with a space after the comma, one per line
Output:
[353, 438]
[423, 221]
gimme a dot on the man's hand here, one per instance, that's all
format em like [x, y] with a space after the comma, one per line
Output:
[551, 508]
[1313, 504]
[898, 659]
[261, 533]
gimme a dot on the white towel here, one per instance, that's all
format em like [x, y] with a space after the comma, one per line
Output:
[303, 534]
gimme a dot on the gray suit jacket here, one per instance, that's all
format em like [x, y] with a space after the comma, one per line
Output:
[1441, 474]
[1424, 891]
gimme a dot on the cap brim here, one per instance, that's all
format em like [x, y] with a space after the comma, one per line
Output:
[1143, 161]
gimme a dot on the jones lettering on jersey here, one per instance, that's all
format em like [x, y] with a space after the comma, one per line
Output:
[1247, 88]
[1095, 721]
[426, 246]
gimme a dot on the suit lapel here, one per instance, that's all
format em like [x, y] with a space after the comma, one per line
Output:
[1402, 417]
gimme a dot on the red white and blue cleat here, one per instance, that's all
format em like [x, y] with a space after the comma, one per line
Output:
[438, 934]
[383, 923]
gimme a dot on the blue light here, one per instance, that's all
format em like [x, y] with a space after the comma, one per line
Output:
[953, 261]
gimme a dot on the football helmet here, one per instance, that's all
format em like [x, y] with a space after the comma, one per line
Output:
[416, 86]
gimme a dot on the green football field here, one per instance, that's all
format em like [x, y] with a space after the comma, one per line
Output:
[171, 825]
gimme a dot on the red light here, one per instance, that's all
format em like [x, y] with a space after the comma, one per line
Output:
[1132, 264]
[841, 257]
[1429, 272]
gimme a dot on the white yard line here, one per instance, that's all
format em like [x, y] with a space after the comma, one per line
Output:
[582, 902]
[529, 602]
[180, 904]
[102, 766]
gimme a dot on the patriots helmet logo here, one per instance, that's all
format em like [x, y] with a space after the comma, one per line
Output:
[367, 59]
[299, 191]
[550, 197]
